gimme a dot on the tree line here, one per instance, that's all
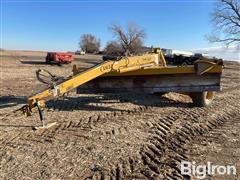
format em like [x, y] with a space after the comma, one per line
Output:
[127, 42]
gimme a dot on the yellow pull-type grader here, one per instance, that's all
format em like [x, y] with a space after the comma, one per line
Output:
[147, 73]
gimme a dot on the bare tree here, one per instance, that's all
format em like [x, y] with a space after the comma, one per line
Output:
[137, 47]
[89, 43]
[113, 48]
[131, 40]
[226, 20]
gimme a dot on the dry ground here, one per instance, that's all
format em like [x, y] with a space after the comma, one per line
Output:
[114, 136]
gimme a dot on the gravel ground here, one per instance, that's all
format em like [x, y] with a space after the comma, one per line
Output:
[115, 136]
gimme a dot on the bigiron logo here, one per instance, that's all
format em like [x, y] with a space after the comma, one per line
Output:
[201, 171]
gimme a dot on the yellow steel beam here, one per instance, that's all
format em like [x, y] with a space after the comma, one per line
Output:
[124, 65]
[166, 70]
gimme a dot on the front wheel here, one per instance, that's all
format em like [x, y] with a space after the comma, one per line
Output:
[202, 99]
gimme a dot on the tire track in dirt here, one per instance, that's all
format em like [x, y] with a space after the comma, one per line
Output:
[69, 150]
[220, 146]
[153, 152]
[165, 147]
[168, 128]
[166, 141]
[89, 122]
[28, 141]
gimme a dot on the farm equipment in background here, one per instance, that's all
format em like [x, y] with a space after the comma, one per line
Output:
[59, 58]
[148, 73]
[110, 57]
[80, 52]
[179, 58]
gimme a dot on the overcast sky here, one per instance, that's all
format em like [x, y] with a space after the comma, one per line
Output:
[58, 25]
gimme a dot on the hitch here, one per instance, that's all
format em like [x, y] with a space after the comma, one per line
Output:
[40, 112]
[27, 110]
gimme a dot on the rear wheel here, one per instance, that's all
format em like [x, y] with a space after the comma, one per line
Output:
[202, 99]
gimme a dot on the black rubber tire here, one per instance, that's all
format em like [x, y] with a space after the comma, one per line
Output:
[47, 61]
[202, 99]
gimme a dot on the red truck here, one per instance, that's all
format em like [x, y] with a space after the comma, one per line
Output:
[59, 58]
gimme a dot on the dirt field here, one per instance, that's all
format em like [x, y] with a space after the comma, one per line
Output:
[114, 136]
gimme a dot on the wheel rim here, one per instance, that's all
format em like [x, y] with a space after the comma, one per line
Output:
[209, 95]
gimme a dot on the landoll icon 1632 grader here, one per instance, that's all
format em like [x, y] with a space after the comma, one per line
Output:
[148, 73]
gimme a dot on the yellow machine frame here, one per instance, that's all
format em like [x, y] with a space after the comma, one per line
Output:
[150, 63]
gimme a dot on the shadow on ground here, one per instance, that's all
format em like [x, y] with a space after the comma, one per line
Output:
[97, 103]
[17, 126]
[34, 62]
[9, 101]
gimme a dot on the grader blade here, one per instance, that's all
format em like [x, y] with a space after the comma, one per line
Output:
[151, 82]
